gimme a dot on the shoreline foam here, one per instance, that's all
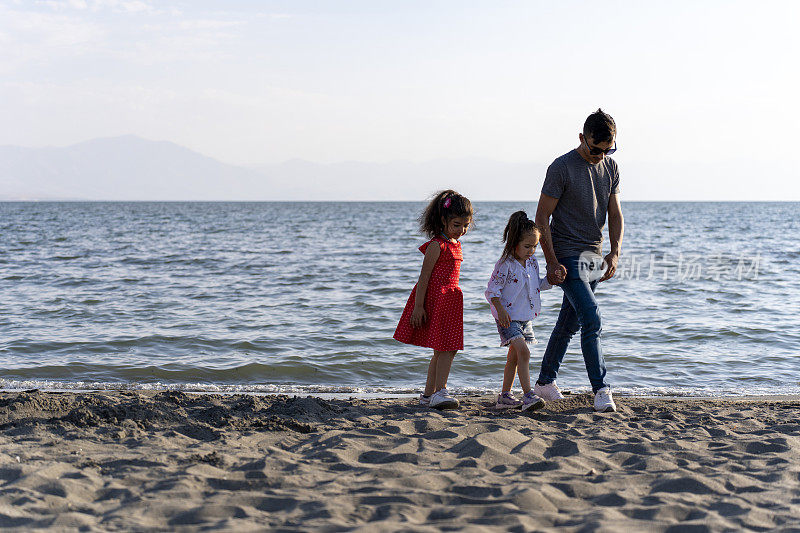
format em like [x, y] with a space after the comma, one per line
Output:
[358, 391]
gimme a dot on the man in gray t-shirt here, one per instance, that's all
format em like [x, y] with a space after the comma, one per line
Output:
[580, 189]
[583, 191]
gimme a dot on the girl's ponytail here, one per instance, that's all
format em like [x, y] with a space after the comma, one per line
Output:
[519, 225]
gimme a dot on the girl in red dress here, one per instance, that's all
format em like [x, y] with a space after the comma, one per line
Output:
[434, 314]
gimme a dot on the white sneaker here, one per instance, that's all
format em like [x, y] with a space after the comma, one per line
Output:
[441, 399]
[603, 402]
[548, 392]
[424, 401]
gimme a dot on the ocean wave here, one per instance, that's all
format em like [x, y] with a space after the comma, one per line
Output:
[285, 296]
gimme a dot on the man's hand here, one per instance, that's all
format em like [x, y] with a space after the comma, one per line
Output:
[610, 262]
[556, 274]
[503, 318]
[418, 317]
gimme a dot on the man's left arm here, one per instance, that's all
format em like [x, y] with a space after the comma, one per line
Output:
[616, 227]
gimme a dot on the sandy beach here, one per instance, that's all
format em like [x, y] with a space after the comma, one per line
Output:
[106, 461]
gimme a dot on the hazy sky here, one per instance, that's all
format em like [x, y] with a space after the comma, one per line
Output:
[704, 92]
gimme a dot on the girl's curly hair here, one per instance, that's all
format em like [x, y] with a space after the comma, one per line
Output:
[444, 205]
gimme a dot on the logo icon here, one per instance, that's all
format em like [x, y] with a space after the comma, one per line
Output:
[591, 266]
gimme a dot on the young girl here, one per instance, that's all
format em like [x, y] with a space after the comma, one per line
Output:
[434, 314]
[513, 295]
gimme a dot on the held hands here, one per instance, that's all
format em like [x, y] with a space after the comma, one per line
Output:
[503, 318]
[610, 262]
[418, 317]
[557, 274]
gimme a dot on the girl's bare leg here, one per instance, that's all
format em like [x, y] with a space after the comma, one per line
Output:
[430, 383]
[444, 361]
[511, 368]
[523, 358]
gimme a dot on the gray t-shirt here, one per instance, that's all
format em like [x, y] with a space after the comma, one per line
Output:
[583, 191]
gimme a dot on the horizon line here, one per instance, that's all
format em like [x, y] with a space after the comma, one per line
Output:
[89, 201]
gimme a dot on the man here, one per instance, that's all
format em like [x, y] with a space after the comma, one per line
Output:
[580, 188]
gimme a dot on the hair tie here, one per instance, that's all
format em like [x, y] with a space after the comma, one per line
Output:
[446, 203]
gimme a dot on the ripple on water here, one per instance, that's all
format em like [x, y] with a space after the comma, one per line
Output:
[124, 292]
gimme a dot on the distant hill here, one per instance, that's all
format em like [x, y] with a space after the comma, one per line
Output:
[120, 168]
[478, 178]
[132, 168]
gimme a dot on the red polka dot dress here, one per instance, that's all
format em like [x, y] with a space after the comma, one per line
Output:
[444, 304]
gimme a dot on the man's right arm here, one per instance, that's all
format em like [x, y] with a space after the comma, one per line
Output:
[555, 271]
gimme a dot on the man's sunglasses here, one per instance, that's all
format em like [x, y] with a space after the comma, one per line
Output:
[598, 151]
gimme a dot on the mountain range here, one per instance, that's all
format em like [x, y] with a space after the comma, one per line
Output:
[130, 168]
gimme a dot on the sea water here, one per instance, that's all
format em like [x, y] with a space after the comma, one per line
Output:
[304, 298]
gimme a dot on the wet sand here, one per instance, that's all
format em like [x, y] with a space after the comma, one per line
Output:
[106, 461]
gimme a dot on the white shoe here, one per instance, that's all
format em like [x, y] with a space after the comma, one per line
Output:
[441, 399]
[603, 402]
[424, 401]
[548, 392]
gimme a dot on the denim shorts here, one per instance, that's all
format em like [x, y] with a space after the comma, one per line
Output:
[517, 329]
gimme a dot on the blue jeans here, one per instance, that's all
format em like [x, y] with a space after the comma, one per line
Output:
[579, 310]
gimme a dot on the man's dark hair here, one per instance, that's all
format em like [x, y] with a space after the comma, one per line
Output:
[600, 127]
